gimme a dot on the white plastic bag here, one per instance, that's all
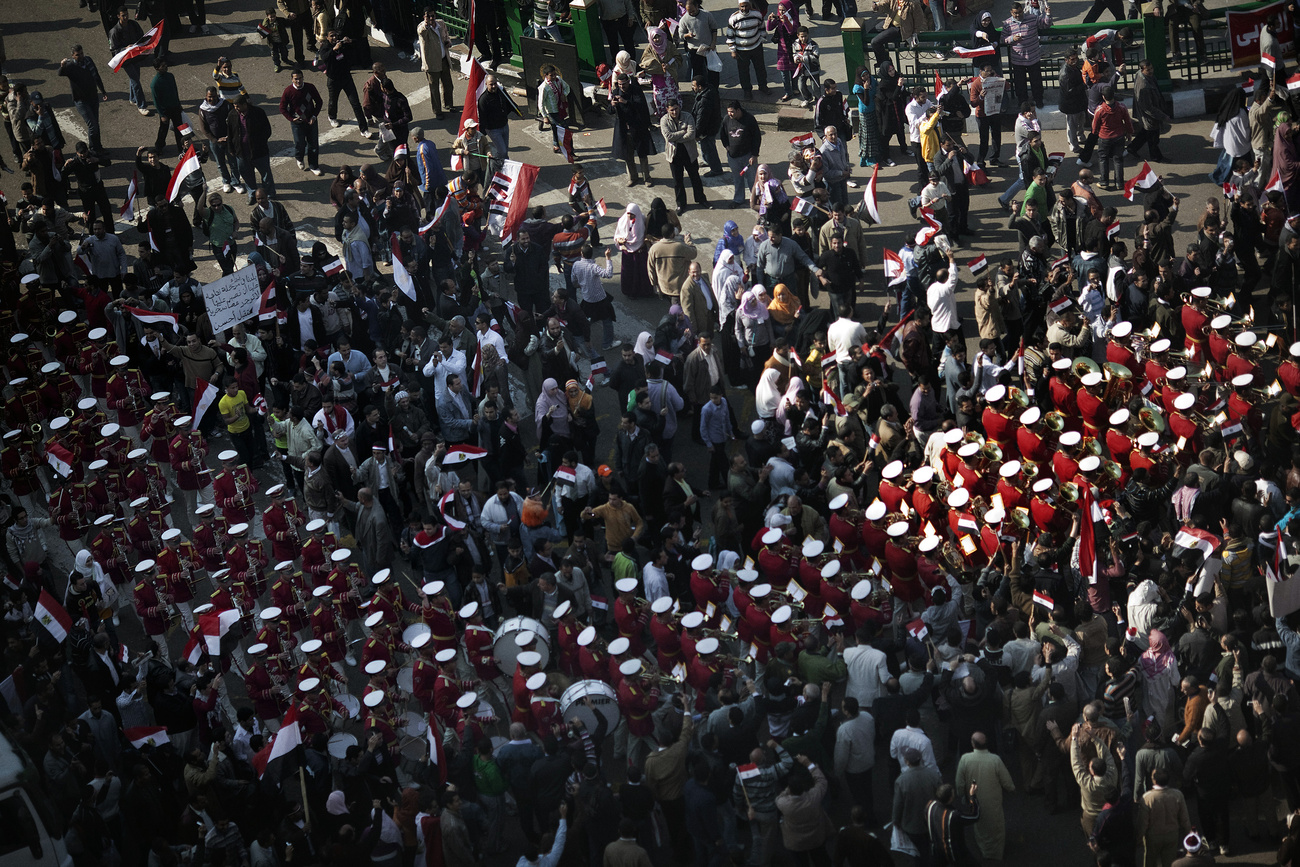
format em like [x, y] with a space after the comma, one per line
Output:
[713, 61]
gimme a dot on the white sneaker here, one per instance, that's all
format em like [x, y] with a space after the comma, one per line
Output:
[1083, 163]
[144, 112]
[239, 188]
[225, 188]
[316, 172]
[300, 165]
[370, 133]
[334, 123]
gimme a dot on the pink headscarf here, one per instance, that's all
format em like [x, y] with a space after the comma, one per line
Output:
[1158, 655]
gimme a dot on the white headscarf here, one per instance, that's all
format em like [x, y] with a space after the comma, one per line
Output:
[645, 346]
[767, 396]
[90, 568]
[752, 306]
[629, 234]
[726, 268]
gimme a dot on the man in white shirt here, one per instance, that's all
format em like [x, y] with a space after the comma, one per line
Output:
[867, 669]
[653, 577]
[247, 726]
[487, 337]
[855, 752]
[941, 296]
[913, 737]
[442, 364]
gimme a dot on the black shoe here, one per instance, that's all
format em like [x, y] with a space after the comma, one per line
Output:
[766, 91]
[713, 173]
[1159, 157]
[681, 209]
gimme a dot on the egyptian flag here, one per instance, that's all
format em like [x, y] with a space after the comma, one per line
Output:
[1145, 179]
[144, 46]
[1041, 598]
[401, 276]
[830, 398]
[437, 216]
[870, 209]
[930, 229]
[565, 136]
[977, 265]
[147, 736]
[939, 89]
[50, 614]
[442, 510]
[477, 84]
[266, 306]
[189, 164]
[60, 459]
[1113, 229]
[510, 207]
[806, 140]
[1268, 60]
[802, 206]
[1274, 181]
[566, 475]
[127, 211]
[193, 651]
[600, 207]
[974, 173]
[205, 394]
[894, 270]
[969, 53]
[214, 625]
[333, 268]
[1293, 83]
[436, 755]
[153, 317]
[283, 742]
[462, 452]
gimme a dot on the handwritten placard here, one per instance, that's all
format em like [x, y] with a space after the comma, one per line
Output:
[232, 299]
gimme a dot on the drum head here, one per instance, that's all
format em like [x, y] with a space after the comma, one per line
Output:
[414, 724]
[351, 702]
[410, 633]
[406, 680]
[604, 701]
[507, 651]
[339, 743]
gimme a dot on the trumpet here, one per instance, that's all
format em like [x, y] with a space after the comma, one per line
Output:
[241, 487]
[196, 456]
[720, 635]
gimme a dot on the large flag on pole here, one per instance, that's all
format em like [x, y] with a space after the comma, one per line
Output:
[869, 206]
[205, 394]
[283, 742]
[1145, 179]
[154, 317]
[1091, 513]
[509, 207]
[476, 85]
[895, 271]
[144, 46]
[436, 755]
[401, 276]
[189, 164]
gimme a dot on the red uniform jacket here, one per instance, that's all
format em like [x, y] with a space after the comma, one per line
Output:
[280, 522]
[189, 476]
[225, 493]
[637, 703]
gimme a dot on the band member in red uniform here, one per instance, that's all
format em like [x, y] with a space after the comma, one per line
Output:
[638, 700]
[1241, 405]
[593, 658]
[1065, 460]
[1046, 506]
[1246, 348]
[287, 595]
[703, 668]
[209, 537]
[424, 671]
[126, 392]
[832, 591]
[20, 465]
[891, 492]
[527, 663]
[435, 610]
[631, 614]
[1119, 348]
[845, 525]
[177, 565]
[901, 563]
[1288, 372]
[265, 683]
[187, 455]
[707, 586]
[156, 426]
[281, 521]
[1092, 410]
[999, 421]
[1033, 437]
[664, 631]
[1119, 436]
[1182, 426]
[1011, 487]
[246, 559]
[478, 643]
[543, 706]
[144, 528]
[316, 552]
[875, 530]
[759, 620]
[567, 628]
[328, 627]
[1196, 320]
[151, 606]
[93, 360]
[233, 489]
[447, 688]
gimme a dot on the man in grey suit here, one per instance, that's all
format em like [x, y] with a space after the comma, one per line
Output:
[383, 477]
[913, 790]
[455, 413]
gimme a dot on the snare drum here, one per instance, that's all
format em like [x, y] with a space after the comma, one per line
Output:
[414, 724]
[604, 700]
[410, 633]
[351, 703]
[406, 680]
[339, 743]
[506, 650]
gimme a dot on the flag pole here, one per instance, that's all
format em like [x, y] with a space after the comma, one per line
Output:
[306, 810]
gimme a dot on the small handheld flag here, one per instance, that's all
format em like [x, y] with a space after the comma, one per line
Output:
[977, 265]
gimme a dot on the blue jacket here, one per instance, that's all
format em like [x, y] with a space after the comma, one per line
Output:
[429, 166]
[715, 423]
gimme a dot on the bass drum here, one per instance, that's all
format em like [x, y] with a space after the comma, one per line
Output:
[339, 743]
[351, 703]
[506, 650]
[406, 679]
[410, 633]
[604, 701]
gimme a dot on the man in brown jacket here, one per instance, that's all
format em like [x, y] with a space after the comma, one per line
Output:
[665, 777]
[625, 851]
[1162, 821]
[669, 263]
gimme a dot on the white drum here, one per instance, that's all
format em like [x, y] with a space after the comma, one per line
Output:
[406, 680]
[351, 703]
[339, 743]
[414, 724]
[604, 701]
[506, 650]
[415, 629]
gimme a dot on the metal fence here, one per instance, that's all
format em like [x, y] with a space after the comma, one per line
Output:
[918, 63]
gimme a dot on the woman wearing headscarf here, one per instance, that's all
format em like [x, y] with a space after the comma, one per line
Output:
[658, 218]
[1231, 133]
[109, 596]
[985, 32]
[767, 395]
[786, 406]
[728, 284]
[341, 184]
[1160, 680]
[867, 92]
[769, 199]
[754, 330]
[553, 420]
[645, 346]
[891, 97]
[784, 309]
[731, 240]
[629, 237]
[660, 60]
[783, 24]
[632, 125]
[584, 429]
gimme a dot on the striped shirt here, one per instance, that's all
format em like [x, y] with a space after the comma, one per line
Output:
[763, 788]
[566, 246]
[746, 30]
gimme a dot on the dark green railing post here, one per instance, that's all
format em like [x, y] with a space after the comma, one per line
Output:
[852, 36]
[587, 34]
[515, 23]
[1155, 43]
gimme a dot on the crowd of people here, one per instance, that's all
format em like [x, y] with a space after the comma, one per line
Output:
[362, 580]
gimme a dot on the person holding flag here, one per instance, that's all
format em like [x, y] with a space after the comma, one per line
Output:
[125, 34]
[494, 110]
[104, 255]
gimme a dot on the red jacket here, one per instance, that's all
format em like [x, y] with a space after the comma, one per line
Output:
[1112, 121]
